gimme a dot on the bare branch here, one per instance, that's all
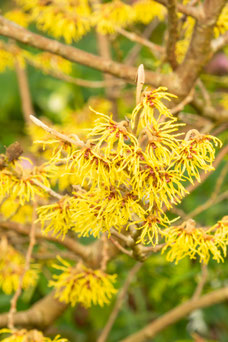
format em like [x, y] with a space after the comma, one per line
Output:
[78, 142]
[199, 51]
[219, 158]
[13, 302]
[27, 108]
[71, 244]
[14, 31]
[219, 43]
[174, 315]
[201, 283]
[119, 301]
[191, 11]
[134, 52]
[155, 49]
[41, 315]
[172, 33]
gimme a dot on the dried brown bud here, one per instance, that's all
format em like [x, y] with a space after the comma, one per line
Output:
[14, 151]
[2, 161]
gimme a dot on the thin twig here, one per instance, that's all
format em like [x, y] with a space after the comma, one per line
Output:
[134, 52]
[172, 33]
[13, 302]
[105, 255]
[153, 249]
[155, 49]
[121, 248]
[219, 158]
[48, 190]
[201, 283]
[174, 315]
[207, 205]
[119, 301]
[183, 103]
[195, 12]
[26, 102]
[140, 83]
[78, 142]
[126, 239]
[71, 244]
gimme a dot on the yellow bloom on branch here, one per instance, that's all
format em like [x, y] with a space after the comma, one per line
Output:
[12, 265]
[24, 335]
[146, 10]
[109, 16]
[56, 217]
[189, 240]
[146, 108]
[196, 152]
[80, 284]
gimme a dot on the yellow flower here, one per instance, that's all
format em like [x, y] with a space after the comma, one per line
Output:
[150, 230]
[50, 62]
[146, 108]
[196, 152]
[57, 217]
[83, 285]
[109, 16]
[61, 18]
[146, 10]
[12, 209]
[24, 335]
[19, 17]
[187, 239]
[6, 60]
[12, 265]
[186, 33]
[108, 134]
[222, 22]
[161, 144]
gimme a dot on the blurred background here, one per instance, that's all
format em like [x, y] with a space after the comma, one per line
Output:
[159, 285]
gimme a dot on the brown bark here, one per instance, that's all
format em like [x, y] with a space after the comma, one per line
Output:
[174, 315]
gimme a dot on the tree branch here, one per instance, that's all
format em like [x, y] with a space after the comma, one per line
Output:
[14, 31]
[27, 108]
[174, 315]
[200, 50]
[71, 244]
[219, 43]
[191, 11]
[119, 301]
[41, 315]
[172, 33]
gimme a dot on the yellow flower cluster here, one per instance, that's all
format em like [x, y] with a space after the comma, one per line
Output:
[72, 19]
[24, 335]
[83, 285]
[222, 23]
[19, 180]
[187, 30]
[6, 60]
[49, 62]
[18, 16]
[56, 217]
[12, 265]
[122, 179]
[187, 239]
[61, 18]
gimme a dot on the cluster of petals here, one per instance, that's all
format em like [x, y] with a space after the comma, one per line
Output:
[24, 335]
[79, 284]
[189, 240]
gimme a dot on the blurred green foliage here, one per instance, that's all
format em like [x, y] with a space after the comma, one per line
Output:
[159, 285]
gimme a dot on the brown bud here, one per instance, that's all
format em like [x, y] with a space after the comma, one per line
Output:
[2, 161]
[14, 151]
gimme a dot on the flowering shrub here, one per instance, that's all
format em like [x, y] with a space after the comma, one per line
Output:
[107, 181]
